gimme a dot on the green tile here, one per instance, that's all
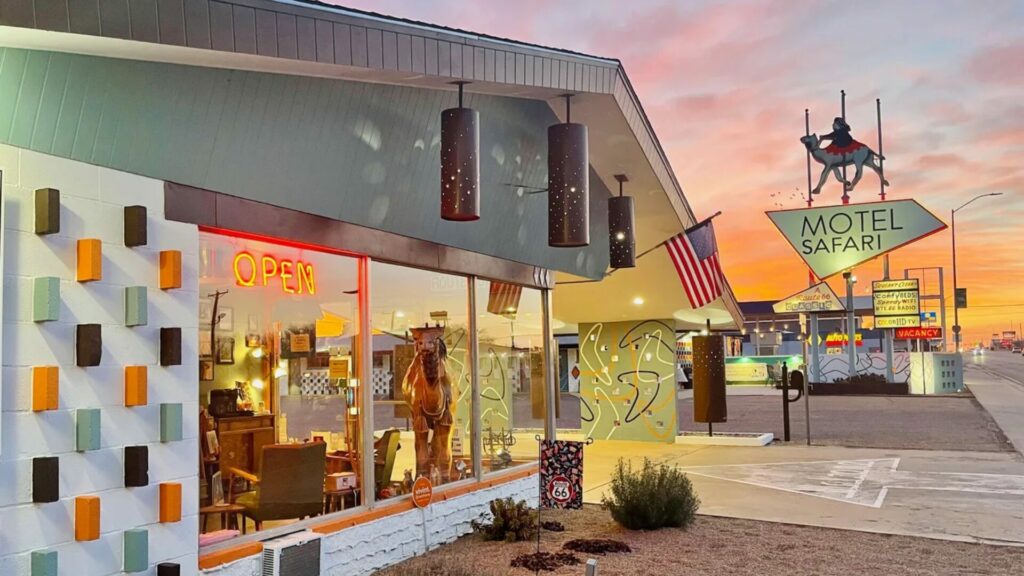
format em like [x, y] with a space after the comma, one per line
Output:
[87, 425]
[136, 550]
[170, 422]
[44, 563]
[135, 306]
[46, 299]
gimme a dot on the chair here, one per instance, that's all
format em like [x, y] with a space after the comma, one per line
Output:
[290, 483]
[384, 461]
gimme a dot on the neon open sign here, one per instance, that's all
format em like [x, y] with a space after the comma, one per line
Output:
[295, 276]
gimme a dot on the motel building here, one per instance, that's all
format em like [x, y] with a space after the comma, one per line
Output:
[233, 229]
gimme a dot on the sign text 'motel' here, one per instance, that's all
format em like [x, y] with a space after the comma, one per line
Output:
[835, 238]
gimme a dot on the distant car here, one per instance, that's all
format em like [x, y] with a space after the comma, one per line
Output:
[1015, 349]
[979, 351]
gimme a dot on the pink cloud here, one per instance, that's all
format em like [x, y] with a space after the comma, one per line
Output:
[1001, 64]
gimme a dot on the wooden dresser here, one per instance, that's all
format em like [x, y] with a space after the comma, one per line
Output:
[242, 439]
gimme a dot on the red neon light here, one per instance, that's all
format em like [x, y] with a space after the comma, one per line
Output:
[923, 333]
[271, 267]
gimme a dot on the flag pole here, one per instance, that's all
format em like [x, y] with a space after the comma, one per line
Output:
[888, 332]
[811, 341]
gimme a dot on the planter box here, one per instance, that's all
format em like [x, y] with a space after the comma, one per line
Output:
[873, 388]
[725, 438]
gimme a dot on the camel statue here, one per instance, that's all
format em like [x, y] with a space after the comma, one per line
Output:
[859, 156]
[428, 392]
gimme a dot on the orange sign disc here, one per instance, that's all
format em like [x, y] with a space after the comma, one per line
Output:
[422, 492]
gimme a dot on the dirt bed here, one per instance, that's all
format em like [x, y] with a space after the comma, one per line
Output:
[726, 546]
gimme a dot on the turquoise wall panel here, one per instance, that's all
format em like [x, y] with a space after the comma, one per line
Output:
[170, 422]
[46, 299]
[362, 153]
[135, 306]
[136, 550]
[44, 563]
[87, 429]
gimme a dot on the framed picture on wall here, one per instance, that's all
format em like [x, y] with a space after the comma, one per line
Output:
[206, 370]
[205, 344]
[227, 319]
[298, 341]
[226, 350]
[253, 340]
[205, 312]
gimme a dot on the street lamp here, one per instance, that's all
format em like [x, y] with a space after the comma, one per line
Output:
[952, 226]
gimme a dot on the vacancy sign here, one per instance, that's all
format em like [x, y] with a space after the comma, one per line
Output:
[923, 333]
[897, 303]
[817, 298]
[835, 238]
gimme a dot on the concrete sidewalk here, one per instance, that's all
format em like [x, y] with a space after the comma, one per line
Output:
[963, 496]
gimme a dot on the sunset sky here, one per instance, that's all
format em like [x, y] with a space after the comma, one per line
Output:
[729, 112]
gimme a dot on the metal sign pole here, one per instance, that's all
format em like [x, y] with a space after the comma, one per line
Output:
[812, 338]
[887, 341]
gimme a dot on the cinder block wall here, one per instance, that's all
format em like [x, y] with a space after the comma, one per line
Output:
[381, 543]
[92, 201]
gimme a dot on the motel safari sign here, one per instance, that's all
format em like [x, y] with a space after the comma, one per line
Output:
[835, 238]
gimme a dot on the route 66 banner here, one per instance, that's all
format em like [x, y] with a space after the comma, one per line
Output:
[561, 474]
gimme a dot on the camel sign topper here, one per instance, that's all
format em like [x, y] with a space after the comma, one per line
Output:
[842, 151]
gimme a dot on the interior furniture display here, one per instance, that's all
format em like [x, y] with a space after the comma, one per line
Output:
[384, 458]
[231, 516]
[242, 439]
[289, 483]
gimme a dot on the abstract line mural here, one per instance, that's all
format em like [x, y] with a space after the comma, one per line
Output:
[627, 380]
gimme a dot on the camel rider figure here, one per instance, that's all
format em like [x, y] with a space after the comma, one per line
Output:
[840, 140]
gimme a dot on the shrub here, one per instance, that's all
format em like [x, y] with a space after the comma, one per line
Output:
[510, 521]
[862, 379]
[651, 498]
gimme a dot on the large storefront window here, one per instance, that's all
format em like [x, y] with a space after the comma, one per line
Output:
[511, 372]
[279, 384]
[421, 379]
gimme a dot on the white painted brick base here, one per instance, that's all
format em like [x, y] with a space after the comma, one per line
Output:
[369, 547]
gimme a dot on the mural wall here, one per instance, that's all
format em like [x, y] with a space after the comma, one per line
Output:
[627, 380]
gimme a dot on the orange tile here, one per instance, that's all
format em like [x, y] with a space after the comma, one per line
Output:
[170, 501]
[45, 388]
[90, 260]
[135, 386]
[170, 269]
[87, 518]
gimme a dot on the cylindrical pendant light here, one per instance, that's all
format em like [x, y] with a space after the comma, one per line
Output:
[460, 162]
[568, 184]
[621, 241]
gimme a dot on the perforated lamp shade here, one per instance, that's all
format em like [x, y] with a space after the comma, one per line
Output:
[568, 186]
[460, 163]
[621, 241]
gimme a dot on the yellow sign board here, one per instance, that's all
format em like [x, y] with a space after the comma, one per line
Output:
[897, 303]
[338, 368]
[909, 321]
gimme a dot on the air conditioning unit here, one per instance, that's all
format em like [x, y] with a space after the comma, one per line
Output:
[292, 555]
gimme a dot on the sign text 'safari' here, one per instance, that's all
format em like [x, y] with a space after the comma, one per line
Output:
[296, 276]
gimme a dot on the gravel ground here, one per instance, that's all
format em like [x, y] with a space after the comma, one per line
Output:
[910, 422]
[727, 546]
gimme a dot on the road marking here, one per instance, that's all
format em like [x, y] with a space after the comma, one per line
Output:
[862, 482]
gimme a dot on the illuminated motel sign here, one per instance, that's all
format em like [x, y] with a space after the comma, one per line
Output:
[295, 276]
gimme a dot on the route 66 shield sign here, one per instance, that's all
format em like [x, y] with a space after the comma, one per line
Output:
[561, 474]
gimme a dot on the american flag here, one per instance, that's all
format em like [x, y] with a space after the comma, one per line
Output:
[503, 298]
[695, 256]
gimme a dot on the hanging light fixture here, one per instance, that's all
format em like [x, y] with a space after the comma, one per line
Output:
[460, 162]
[568, 183]
[621, 241]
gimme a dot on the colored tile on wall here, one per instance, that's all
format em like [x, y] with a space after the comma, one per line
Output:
[87, 429]
[136, 466]
[136, 385]
[45, 479]
[87, 518]
[44, 563]
[136, 550]
[168, 569]
[47, 211]
[136, 306]
[170, 269]
[170, 502]
[45, 388]
[88, 345]
[46, 299]
[170, 346]
[135, 229]
[170, 422]
[90, 260]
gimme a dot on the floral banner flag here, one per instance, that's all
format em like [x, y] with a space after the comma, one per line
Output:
[561, 474]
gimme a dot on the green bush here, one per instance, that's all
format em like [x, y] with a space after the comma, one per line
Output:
[652, 497]
[510, 521]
